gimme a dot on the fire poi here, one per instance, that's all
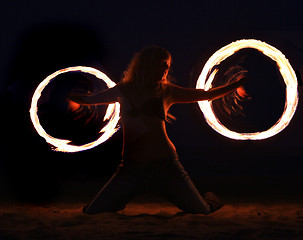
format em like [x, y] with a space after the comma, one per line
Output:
[63, 145]
[207, 76]
[204, 82]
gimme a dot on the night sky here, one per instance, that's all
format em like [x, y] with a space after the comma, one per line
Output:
[41, 37]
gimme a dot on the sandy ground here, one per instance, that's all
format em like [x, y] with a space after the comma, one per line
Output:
[250, 212]
[155, 219]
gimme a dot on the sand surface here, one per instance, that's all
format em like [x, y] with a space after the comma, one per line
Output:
[151, 220]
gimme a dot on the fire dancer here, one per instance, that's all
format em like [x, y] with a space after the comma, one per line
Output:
[150, 161]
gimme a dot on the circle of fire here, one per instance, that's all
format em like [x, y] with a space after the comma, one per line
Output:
[62, 145]
[207, 75]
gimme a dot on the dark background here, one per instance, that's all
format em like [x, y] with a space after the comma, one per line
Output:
[41, 37]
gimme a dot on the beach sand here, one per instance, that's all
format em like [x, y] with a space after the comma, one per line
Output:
[151, 218]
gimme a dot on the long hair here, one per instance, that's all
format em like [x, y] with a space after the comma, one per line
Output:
[145, 71]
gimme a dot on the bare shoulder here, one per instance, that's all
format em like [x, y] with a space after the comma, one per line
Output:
[169, 89]
[178, 94]
[169, 92]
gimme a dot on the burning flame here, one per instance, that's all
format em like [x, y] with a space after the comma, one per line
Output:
[207, 75]
[62, 145]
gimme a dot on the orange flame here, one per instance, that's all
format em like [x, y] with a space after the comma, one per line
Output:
[287, 72]
[62, 145]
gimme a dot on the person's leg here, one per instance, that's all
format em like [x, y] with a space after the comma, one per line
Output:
[115, 194]
[176, 186]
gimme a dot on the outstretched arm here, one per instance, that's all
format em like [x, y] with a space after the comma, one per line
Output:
[103, 97]
[189, 95]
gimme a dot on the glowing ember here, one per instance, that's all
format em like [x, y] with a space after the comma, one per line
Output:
[62, 145]
[205, 82]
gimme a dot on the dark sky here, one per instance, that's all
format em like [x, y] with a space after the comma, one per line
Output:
[40, 37]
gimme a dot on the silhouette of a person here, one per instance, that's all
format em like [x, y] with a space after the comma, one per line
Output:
[150, 161]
